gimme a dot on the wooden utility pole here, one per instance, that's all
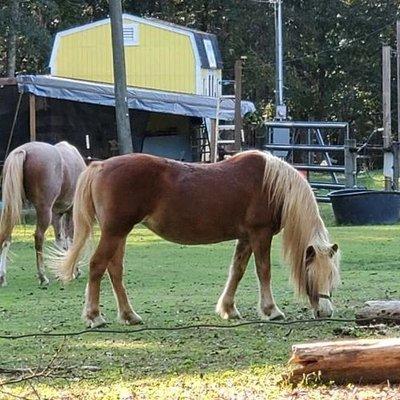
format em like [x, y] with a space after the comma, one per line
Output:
[238, 102]
[12, 38]
[32, 117]
[396, 144]
[398, 77]
[387, 120]
[121, 104]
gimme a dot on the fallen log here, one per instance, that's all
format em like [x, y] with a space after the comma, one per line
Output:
[376, 311]
[357, 361]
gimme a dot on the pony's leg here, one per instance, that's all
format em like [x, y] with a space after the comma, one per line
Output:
[3, 260]
[126, 315]
[43, 215]
[69, 236]
[261, 245]
[226, 304]
[69, 228]
[59, 234]
[99, 262]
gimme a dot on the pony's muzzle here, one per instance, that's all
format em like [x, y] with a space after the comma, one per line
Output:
[324, 308]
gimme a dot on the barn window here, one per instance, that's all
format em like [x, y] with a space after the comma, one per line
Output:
[210, 53]
[131, 34]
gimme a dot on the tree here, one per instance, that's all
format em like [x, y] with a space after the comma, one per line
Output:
[332, 48]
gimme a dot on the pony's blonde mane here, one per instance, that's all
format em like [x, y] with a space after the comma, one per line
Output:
[291, 196]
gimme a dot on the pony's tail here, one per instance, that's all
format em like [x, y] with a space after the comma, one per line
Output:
[83, 216]
[13, 192]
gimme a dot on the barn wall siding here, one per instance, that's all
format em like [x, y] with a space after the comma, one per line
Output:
[162, 60]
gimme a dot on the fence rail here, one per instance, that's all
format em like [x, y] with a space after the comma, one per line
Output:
[289, 138]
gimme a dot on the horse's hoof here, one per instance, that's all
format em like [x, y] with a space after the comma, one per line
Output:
[130, 318]
[273, 315]
[44, 281]
[3, 281]
[96, 322]
[227, 312]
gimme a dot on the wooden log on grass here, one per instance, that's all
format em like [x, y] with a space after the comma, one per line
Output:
[357, 361]
[376, 311]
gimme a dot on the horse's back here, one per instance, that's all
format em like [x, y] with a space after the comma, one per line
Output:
[73, 165]
[50, 172]
[183, 202]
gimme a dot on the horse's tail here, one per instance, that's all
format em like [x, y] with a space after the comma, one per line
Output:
[13, 192]
[84, 214]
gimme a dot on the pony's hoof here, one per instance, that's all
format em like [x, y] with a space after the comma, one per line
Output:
[44, 281]
[77, 273]
[96, 322]
[3, 281]
[130, 318]
[272, 314]
[227, 312]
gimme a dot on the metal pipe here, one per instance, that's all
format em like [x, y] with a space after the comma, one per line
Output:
[326, 154]
[324, 185]
[320, 168]
[305, 124]
[323, 199]
[303, 147]
[281, 112]
[279, 51]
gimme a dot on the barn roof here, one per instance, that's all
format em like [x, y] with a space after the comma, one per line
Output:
[199, 37]
[138, 98]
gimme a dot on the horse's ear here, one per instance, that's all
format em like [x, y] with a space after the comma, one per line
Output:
[310, 254]
[333, 250]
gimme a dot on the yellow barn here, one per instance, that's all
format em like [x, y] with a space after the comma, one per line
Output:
[159, 55]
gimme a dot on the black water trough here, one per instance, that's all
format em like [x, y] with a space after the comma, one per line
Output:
[363, 207]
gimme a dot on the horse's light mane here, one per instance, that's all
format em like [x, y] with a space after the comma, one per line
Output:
[289, 193]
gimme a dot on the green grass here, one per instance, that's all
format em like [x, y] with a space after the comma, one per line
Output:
[173, 285]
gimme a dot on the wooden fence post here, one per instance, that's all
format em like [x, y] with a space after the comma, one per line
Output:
[350, 164]
[213, 140]
[386, 111]
[396, 166]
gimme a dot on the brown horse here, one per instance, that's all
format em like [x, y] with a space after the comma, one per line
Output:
[46, 176]
[250, 197]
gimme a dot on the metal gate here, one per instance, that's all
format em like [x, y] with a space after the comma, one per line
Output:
[323, 151]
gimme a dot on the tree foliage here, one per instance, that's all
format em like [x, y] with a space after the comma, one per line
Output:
[332, 48]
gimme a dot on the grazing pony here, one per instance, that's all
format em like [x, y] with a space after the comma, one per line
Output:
[249, 197]
[46, 176]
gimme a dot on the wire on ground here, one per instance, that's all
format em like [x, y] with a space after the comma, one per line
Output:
[198, 326]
